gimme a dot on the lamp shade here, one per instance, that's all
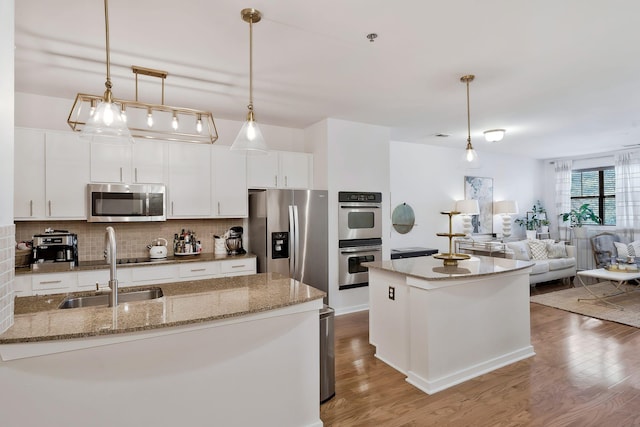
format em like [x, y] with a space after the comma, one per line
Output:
[506, 207]
[468, 207]
[250, 138]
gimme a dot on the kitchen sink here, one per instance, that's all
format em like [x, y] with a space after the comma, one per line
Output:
[103, 299]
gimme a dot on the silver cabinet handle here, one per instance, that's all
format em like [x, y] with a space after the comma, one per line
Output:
[218, 208]
[121, 175]
[238, 266]
[276, 180]
[286, 181]
[198, 269]
[49, 282]
[171, 208]
[30, 207]
[49, 207]
[135, 172]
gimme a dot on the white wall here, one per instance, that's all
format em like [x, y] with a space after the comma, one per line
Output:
[431, 179]
[7, 229]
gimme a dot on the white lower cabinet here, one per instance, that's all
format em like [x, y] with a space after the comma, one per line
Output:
[73, 281]
[238, 267]
[51, 283]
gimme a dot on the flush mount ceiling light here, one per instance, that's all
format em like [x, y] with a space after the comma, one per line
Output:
[494, 135]
[250, 138]
[116, 120]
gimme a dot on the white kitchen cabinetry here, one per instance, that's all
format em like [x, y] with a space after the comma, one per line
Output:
[154, 274]
[66, 175]
[50, 283]
[229, 171]
[28, 194]
[239, 267]
[280, 169]
[199, 270]
[189, 181]
[22, 285]
[140, 162]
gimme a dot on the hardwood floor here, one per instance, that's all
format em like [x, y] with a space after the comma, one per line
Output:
[586, 372]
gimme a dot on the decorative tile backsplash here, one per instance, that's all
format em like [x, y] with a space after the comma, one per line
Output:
[131, 238]
[7, 274]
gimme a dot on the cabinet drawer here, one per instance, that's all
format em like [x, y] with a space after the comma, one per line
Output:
[87, 279]
[199, 269]
[22, 285]
[157, 274]
[60, 282]
[238, 267]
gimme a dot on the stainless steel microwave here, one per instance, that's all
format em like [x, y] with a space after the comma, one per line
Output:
[126, 202]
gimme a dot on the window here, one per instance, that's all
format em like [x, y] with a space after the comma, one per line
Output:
[597, 187]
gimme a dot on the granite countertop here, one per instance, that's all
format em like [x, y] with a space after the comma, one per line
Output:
[37, 318]
[141, 262]
[430, 268]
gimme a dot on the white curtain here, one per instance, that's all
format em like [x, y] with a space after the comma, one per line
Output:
[627, 168]
[563, 195]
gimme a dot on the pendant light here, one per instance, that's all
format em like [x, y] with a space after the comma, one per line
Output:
[106, 121]
[470, 156]
[250, 138]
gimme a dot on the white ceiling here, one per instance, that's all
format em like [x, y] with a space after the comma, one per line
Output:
[560, 76]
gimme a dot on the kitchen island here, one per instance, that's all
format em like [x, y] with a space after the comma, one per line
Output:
[227, 351]
[441, 325]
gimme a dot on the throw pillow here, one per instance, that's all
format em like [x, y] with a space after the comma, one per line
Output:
[538, 249]
[556, 250]
[520, 250]
[628, 249]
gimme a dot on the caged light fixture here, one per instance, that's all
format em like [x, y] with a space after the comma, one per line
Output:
[117, 120]
[250, 138]
[470, 154]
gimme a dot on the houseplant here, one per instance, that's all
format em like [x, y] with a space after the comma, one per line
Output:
[535, 219]
[577, 218]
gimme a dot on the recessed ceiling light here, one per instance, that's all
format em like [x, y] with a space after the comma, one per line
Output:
[442, 135]
[372, 37]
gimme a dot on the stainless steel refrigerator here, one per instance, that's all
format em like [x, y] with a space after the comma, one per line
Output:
[288, 234]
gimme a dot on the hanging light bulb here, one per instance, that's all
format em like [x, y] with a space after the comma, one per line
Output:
[174, 121]
[123, 113]
[149, 118]
[92, 110]
[105, 120]
[199, 124]
[250, 138]
[470, 155]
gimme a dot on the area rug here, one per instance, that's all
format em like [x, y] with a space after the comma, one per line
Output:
[567, 300]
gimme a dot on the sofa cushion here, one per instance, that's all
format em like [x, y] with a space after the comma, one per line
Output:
[520, 250]
[627, 249]
[538, 249]
[561, 263]
[556, 250]
[541, 266]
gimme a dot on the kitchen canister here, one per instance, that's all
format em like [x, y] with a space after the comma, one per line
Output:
[219, 246]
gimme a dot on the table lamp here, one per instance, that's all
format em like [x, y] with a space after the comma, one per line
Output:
[506, 208]
[467, 208]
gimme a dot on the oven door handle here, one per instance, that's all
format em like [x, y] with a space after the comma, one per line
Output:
[359, 250]
[359, 207]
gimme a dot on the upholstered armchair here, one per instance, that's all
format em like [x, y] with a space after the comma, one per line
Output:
[604, 248]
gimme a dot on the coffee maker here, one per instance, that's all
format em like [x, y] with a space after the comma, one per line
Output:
[55, 250]
[233, 241]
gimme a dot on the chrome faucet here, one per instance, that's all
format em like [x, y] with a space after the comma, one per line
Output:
[110, 253]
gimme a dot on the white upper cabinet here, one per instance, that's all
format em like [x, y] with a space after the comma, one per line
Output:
[280, 169]
[67, 161]
[189, 184]
[28, 194]
[229, 173]
[149, 161]
[140, 162]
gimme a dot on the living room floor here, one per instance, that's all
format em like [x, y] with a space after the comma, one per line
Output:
[585, 372]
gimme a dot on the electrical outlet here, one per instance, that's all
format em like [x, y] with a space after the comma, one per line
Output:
[392, 293]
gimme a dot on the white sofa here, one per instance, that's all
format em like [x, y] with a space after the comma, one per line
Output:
[553, 261]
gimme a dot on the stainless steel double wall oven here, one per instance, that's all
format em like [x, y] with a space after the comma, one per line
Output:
[360, 236]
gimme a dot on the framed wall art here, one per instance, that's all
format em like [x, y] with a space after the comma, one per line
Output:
[480, 189]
